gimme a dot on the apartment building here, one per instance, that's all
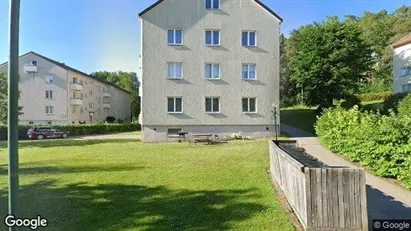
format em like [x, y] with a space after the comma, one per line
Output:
[402, 65]
[208, 66]
[54, 93]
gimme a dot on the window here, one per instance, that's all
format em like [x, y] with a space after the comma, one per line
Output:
[406, 88]
[48, 79]
[81, 110]
[34, 63]
[212, 105]
[249, 38]
[175, 70]
[75, 80]
[173, 132]
[212, 71]
[90, 105]
[175, 105]
[212, 4]
[99, 99]
[91, 92]
[99, 111]
[74, 110]
[249, 105]
[49, 94]
[249, 71]
[49, 110]
[174, 36]
[405, 71]
[212, 37]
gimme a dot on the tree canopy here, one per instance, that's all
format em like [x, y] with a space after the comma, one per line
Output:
[4, 98]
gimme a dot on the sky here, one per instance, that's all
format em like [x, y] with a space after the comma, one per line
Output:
[97, 35]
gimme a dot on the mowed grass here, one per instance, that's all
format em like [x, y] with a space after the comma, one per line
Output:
[303, 118]
[128, 185]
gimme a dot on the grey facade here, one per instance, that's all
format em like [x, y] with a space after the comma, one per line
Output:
[231, 19]
[72, 97]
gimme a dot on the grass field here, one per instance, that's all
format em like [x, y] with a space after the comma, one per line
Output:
[128, 185]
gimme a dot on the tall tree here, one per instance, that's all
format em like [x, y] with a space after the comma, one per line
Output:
[127, 80]
[331, 57]
[4, 98]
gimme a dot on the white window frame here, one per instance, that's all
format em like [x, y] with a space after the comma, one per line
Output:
[248, 105]
[48, 79]
[212, 71]
[212, 37]
[248, 71]
[407, 71]
[175, 99]
[212, 105]
[48, 95]
[406, 87]
[175, 63]
[49, 110]
[173, 135]
[174, 43]
[212, 5]
[248, 38]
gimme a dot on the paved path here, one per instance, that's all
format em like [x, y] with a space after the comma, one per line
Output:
[385, 200]
[119, 136]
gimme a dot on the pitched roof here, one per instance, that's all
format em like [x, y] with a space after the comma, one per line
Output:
[257, 1]
[64, 66]
[404, 41]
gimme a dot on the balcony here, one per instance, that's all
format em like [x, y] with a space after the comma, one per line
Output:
[106, 105]
[76, 101]
[76, 87]
[30, 68]
[106, 94]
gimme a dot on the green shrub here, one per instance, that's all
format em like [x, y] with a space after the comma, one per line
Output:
[374, 96]
[392, 102]
[77, 129]
[404, 108]
[350, 102]
[378, 142]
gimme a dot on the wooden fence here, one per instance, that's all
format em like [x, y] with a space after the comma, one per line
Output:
[322, 197]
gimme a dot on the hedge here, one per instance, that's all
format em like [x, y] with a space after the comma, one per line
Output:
[77, 130]
[374, 96]
[381, 143]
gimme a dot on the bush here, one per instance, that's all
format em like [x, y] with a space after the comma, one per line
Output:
[239, 136]
[77, 130]
[378, 142]
[350, 102]
[374, 96]
[404, 108]
[110, 119]
[392, 102]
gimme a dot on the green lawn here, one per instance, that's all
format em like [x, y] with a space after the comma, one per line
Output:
[300, 117]
[128, 185]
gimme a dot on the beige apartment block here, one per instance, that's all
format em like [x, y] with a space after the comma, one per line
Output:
[208, 66]
[402, 65]
[54, 93]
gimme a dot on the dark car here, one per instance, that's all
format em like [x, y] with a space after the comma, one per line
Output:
[41, 133]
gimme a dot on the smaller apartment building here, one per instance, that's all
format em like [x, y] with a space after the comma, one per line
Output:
[402, 65]
[53, 93]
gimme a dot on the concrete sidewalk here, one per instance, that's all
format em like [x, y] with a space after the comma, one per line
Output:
[385, 200]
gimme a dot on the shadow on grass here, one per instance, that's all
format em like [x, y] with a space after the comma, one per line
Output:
[68, 142]
[116, 206]
[66, 169]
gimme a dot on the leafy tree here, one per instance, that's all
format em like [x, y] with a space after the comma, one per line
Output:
[330, 60]
[4, 98]
[127, 80]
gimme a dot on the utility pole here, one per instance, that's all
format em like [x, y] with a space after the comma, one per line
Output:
[13, 111]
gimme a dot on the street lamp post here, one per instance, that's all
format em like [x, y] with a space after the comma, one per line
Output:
[275, 120]
[13, 113]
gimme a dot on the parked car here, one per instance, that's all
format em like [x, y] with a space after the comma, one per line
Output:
[41, 133]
